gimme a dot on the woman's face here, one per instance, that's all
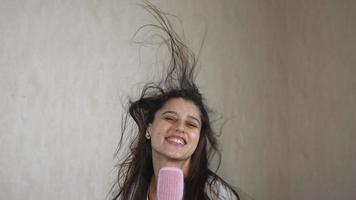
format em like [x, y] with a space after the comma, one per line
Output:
[175, 130]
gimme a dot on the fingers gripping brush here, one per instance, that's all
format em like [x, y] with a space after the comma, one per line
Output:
[170, 184]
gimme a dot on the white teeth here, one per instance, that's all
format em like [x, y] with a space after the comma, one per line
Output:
[176, 140]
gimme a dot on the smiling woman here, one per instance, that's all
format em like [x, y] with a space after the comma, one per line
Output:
[173, 130]
[174, 134]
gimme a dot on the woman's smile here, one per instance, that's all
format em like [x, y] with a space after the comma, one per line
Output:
[176, 140]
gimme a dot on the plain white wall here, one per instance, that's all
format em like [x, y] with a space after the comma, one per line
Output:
[282, 72]
[65, 68]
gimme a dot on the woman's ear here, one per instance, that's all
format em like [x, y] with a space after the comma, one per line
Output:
[149, 127]
[148, 132]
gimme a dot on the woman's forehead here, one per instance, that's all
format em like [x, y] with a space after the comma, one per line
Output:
[181, 106]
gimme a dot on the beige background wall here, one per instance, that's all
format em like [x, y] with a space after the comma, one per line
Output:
[322, 99]
[255, 96]
[282, 72]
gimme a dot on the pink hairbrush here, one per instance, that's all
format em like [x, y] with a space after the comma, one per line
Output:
[170, 184]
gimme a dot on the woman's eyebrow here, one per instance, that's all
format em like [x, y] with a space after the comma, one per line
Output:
[175, 113]
[169, 112]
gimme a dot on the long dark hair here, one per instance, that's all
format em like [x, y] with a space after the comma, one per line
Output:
[136, 169]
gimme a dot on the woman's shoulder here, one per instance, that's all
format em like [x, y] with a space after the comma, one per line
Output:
[216, 188]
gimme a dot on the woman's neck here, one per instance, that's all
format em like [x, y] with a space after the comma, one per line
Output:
[152, 189]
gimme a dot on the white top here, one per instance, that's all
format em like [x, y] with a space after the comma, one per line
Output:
[224, 192]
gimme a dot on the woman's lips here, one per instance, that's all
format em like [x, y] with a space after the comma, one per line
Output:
[176, 140]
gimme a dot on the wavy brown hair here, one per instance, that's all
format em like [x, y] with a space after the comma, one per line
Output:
[136, 169]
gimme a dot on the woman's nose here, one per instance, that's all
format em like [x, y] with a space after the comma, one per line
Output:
[180, 126]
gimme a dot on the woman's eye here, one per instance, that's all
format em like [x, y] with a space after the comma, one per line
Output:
[192, 125]
[169, 118]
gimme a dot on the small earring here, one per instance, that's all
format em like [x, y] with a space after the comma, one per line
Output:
[148, 135]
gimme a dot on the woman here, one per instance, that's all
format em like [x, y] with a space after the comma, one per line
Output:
[173, 129]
